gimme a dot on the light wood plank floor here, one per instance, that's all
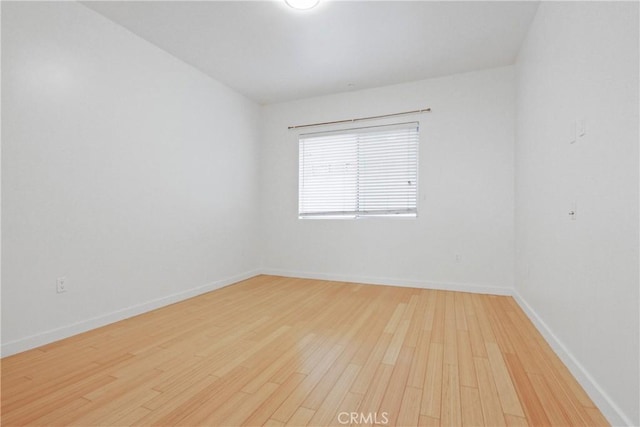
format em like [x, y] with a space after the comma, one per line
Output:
[279, 351]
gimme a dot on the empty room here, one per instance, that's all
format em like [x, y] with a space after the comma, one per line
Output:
[320, 212]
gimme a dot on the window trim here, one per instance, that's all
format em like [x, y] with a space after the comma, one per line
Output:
[409, 213]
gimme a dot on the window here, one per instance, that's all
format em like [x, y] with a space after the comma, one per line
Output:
[354, 173]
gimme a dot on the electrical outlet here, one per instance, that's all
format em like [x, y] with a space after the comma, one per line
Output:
[458, 258]
[61, 285]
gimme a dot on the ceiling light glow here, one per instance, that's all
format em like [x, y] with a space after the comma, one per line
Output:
[302, 4]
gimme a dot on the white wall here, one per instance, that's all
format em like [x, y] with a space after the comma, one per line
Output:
[465, 189]
[138, 178]
[123, 169]
[580, 60]
[0, 185]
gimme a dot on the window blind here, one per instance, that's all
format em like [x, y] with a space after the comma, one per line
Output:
[360, 172]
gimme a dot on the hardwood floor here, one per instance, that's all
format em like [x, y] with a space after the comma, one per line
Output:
[278, 351]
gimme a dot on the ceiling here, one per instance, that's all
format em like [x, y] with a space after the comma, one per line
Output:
[271, 53]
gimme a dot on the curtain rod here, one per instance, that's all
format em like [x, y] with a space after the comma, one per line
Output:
[424, 110]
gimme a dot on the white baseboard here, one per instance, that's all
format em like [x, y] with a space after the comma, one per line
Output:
[607, 406]
[50, 336]
[460, 287]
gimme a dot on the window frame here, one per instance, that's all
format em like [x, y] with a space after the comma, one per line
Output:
[357, 213]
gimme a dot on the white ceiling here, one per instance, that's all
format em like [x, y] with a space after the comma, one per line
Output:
[271, 53]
